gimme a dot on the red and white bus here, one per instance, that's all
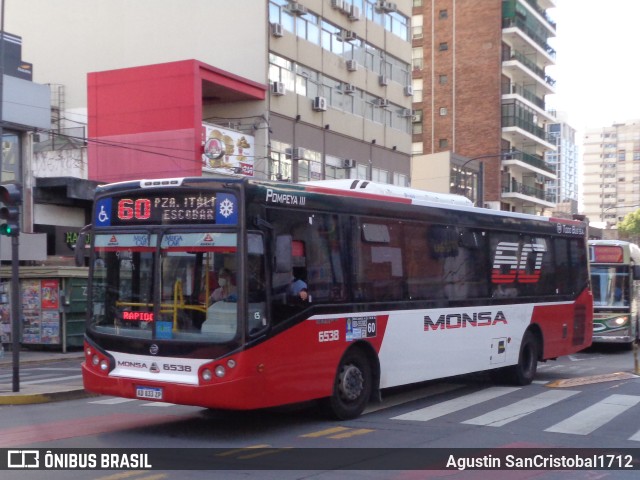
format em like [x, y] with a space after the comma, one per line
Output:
[401, 287]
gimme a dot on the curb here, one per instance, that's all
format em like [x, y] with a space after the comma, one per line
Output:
[74, 393]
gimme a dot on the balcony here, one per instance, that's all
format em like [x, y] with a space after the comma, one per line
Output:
[520, 67]
[520, 193]
[511, 125]
[530, 33]
[532, 160]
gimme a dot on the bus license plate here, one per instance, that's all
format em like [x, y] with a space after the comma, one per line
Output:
[151, 393]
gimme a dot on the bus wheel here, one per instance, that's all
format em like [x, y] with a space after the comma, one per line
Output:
[524, 372]
[352, 386]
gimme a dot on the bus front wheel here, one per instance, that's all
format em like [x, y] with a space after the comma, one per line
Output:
[352, 386]
[524, 371]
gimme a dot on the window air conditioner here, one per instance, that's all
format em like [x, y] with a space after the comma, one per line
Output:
[383, 80]
[277, 88]
[320, 104]
[349, 36]
[348, 163]
[352, 65]
[349, 88]
[337, 4]
[277, 30]
[296, 8]
[382, 102]
[408, 90]
[354, 13]
[294, 153]
[406, 112]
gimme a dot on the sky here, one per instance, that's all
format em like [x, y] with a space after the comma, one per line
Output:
[597, 69]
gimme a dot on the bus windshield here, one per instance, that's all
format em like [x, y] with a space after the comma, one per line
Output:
[172, 286]
[610, 286]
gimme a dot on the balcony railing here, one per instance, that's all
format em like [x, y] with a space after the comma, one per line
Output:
[531, 65]
[512, 121]
[517, 187]
[541, 12]
[509, 22]
[523, 92]
[533, 160]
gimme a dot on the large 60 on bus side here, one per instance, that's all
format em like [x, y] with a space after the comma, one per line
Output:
[241, 294]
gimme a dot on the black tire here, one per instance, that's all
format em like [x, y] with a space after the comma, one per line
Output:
[524, 372]
[352, 386]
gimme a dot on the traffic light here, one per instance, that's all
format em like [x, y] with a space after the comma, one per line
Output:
[11, 198]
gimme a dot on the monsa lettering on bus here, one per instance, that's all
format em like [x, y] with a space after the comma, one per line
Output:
[285, 198]
[460, 320]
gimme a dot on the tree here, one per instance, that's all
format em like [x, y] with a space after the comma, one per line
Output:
[630, 224]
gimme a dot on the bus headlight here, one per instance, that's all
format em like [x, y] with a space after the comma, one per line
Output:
[206, 375]
[220, 371]
[618, 321]
[104, 365]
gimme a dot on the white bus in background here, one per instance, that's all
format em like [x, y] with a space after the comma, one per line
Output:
[615, 279]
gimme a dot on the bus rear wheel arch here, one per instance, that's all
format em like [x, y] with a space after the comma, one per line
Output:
[353, 384]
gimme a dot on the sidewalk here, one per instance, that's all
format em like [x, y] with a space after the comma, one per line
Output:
[38, 393]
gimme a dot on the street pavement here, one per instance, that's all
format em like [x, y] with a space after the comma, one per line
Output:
[38, 392]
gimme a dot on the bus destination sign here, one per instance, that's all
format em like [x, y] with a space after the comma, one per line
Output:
[181, 208]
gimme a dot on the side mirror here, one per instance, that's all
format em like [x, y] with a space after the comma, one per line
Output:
[79, 251]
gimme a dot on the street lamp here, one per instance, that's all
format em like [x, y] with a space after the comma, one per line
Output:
[460, 169]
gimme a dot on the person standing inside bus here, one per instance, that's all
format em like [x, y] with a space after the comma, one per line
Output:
[226, 291]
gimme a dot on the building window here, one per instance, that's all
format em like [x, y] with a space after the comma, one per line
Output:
[443, 143]
[443, 46]
[417, 58]
[443, 79]
[417, 148]
[443, 111]
[444, 14]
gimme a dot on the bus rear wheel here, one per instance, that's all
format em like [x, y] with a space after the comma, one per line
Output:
[525, 370]
[352, 386]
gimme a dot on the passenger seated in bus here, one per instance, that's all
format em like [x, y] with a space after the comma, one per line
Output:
[226, 290]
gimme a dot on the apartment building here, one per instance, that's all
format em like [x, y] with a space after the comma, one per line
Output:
[562, 191]
[480, 83]
[294, 90]
[611, 177]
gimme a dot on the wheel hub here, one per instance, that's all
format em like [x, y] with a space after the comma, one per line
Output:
[351, 382]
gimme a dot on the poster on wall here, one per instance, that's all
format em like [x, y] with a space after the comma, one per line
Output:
[50, 292]
[5, 313]
[227, 151]
[40, 311]
[31, 311]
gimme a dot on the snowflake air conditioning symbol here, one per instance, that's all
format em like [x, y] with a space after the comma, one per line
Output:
[226, 208]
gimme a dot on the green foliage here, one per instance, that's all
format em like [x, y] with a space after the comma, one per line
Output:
[630, 224]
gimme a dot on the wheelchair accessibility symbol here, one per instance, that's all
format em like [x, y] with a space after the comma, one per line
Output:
[102, 212]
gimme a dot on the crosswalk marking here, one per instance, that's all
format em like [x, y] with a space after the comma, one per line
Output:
[158, 404]
[517, 410]
[414, 394]
[593, 417]
[456, 404]
[113, 401]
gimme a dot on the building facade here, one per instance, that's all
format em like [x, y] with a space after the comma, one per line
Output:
[479, 67]
[290, 90]
[611, 178]
[563, 191]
